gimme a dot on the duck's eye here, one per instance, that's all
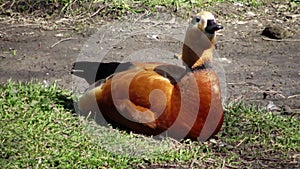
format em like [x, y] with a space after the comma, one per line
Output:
[198, 19]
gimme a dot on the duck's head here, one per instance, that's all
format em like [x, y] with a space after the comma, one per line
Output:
[206, 23]
[199, 39]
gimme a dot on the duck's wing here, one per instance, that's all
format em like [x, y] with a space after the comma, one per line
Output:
[94, 71]
[172, 72]
[105, 71]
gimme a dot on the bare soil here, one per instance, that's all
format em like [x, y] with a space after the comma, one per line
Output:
[257, 69]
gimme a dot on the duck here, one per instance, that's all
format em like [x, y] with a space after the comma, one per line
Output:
[160, 99]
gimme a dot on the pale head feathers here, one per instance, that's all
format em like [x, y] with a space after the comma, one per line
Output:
[206, 23]
[199, 39]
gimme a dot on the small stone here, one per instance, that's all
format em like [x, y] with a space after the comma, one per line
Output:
[156, 37]
[251, 14]
[160, 8]
[287, 110]
[293, 16]
[242, 22]
[271, 107]
[59, 35]
[238, 4]
[172, 21]
[213, 141]
[177, 56]
[224, 60]
[266, 10]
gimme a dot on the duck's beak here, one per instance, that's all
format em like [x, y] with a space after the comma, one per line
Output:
[212, 26]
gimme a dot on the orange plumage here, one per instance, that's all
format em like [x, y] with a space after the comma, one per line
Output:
[156, 98]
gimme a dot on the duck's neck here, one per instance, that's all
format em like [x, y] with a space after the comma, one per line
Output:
[197, 49]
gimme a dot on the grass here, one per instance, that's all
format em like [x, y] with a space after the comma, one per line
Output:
[39, 129]
[110, 7]
[83, 14]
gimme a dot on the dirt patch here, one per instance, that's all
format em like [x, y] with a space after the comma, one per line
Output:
[257, 70]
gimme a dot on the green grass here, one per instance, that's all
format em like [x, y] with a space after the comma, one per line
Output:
[115, 8]
[39, 129]
[109, 7]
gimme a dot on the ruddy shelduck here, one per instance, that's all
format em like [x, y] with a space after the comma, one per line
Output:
[159, 98]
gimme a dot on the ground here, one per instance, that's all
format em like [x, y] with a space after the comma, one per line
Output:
[256, 69]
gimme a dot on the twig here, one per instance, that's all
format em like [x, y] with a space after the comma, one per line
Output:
[139, 18]
[244, 83]
[230, 166]
[99, 10]
[62, 40]
[70, 6]
[281, 40]
[12, 4]
[293, 16]
[20, 25]
[2, 33]
[164, 166]
[192, 163]
[292, 96]
[223, 164]
[4, 4]
[226, 41]
[279, 93]
[240, 142]
[77, 71]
